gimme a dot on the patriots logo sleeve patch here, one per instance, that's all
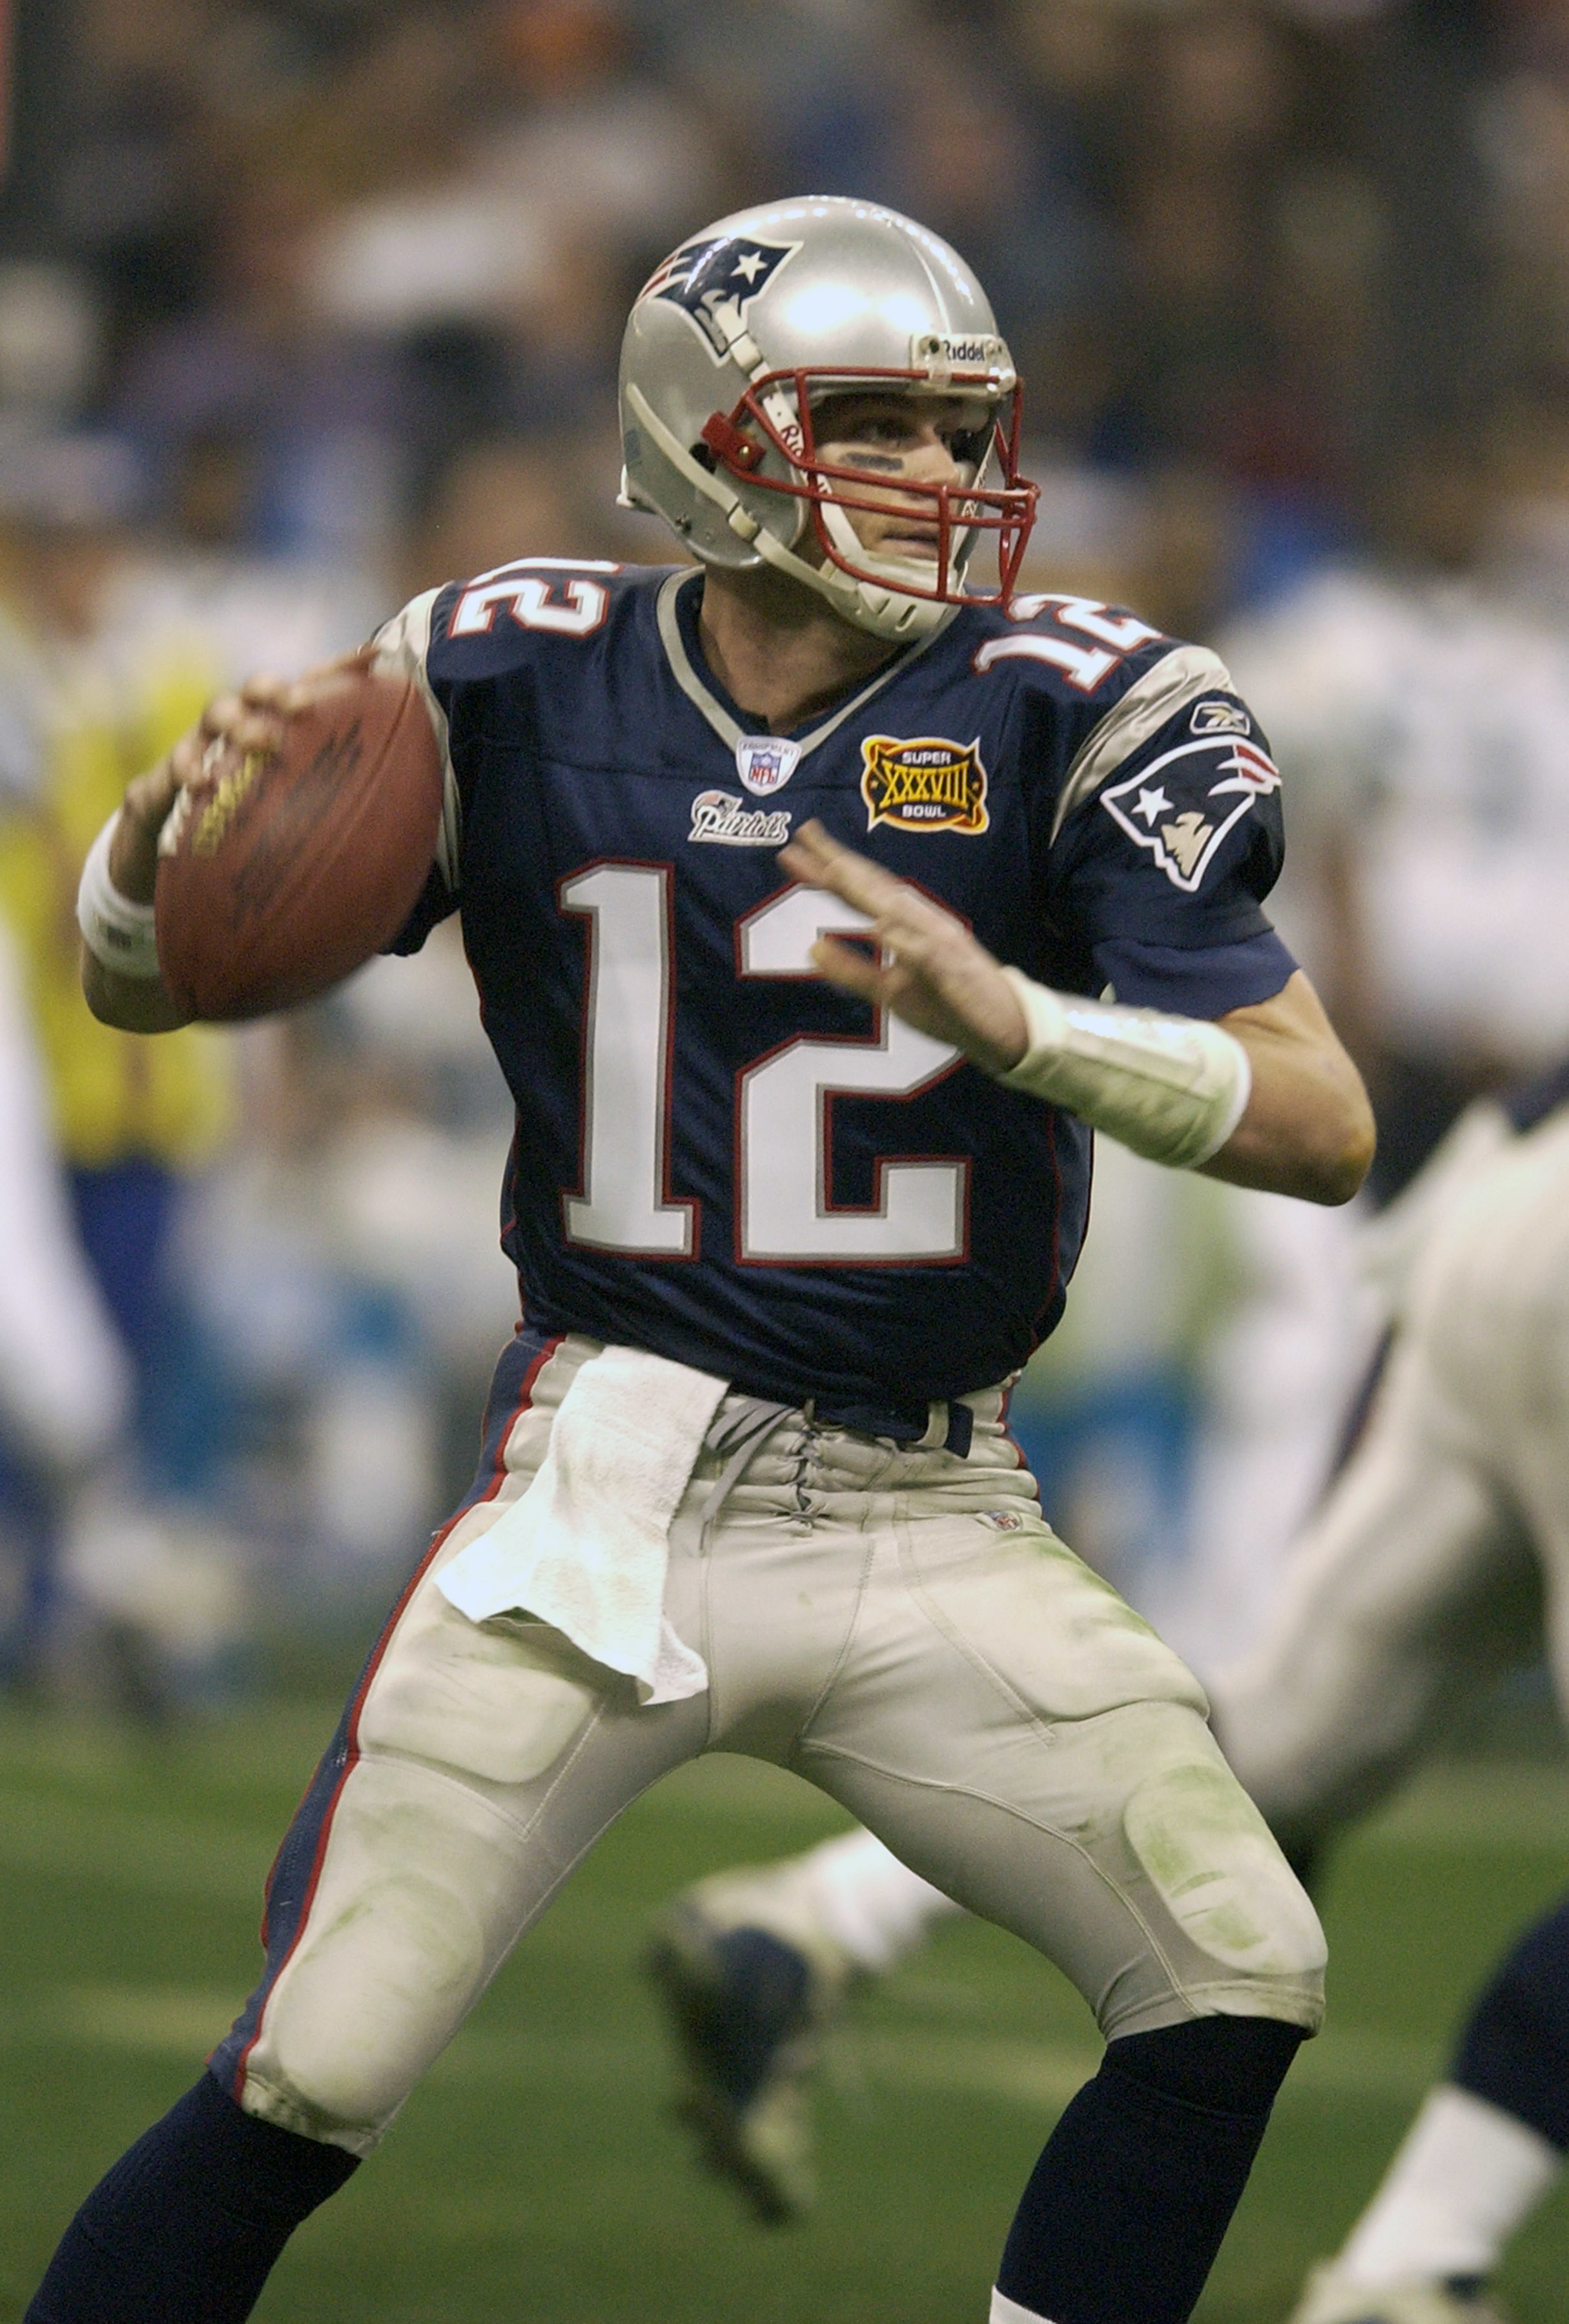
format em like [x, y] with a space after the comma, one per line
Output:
[1181, 806]
[715, 281]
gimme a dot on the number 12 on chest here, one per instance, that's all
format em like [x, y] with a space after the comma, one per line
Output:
[783, 1129]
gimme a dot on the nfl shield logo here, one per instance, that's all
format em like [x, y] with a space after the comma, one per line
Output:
[765, 762]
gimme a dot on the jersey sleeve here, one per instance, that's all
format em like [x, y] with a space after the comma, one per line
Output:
[1167, 837]
[403, 649]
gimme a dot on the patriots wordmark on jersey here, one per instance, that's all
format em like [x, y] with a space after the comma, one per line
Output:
[719, 1156]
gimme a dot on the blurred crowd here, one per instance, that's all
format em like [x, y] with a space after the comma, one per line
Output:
[305, 306]
[298, 257]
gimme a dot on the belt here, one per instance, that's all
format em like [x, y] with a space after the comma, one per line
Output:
[935, 1427]
[736, 1432]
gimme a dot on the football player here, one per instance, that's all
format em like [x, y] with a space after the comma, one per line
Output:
[788, 881]
[65, 1386]
[1405, 1590]
[1424, 1572]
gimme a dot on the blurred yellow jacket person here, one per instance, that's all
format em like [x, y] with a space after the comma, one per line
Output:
[115, 1095]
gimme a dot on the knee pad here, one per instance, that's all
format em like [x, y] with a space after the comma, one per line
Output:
[1217, 1869]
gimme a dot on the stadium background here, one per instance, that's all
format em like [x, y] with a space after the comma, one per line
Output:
[304, 305]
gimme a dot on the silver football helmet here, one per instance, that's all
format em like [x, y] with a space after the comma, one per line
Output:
[748, 325]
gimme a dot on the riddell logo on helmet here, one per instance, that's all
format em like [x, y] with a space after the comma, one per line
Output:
[927, 784]
[939, 352]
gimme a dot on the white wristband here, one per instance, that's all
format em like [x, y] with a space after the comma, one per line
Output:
[116, 932]
[1171, 1088]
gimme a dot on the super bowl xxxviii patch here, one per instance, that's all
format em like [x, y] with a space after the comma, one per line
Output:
[1180, 807]
[923, 783]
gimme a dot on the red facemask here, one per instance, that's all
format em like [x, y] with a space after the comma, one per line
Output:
[778, 411]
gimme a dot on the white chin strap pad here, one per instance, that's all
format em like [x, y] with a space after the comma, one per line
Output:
[891, 586]
[887, 612]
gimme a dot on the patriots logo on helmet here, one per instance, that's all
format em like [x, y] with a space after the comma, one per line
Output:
[713, 282]
[1175, 809]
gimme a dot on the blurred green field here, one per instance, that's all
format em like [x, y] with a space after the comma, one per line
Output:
[535, 2176]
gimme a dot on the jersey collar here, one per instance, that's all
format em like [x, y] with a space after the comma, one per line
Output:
[677, 607]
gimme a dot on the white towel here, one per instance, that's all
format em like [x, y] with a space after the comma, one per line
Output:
[586, 1547]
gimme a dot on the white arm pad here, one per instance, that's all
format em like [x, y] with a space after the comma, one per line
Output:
[115, 931]
[1172, 1088]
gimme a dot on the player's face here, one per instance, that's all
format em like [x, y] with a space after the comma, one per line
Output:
[930, 439]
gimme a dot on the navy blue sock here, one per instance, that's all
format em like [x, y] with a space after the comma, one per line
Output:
[185, 2229]
[1515, 2050]
[1124, 2214]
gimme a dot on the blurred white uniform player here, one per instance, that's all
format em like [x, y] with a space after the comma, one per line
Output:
[1422, 711]
[1425, 720]
[64, 1383]
[1422, 1574]
[1441, 1557]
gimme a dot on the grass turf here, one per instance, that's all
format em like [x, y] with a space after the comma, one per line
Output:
[535, 2176]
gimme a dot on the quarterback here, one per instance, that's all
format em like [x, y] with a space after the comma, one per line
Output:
[822, 901]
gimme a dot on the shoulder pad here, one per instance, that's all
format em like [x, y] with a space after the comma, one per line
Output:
[403, 648]
[495, 615]
[564, 596]
[1186, 675]
[1078, 639]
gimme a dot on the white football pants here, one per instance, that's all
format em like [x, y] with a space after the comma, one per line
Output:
[900, 1628]
[1444, 1543]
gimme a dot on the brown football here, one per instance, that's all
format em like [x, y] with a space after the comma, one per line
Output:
[280, 872]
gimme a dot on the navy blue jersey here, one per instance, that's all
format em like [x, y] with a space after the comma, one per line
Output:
[719, 1156]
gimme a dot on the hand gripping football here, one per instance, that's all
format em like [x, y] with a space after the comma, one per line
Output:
[280, 873]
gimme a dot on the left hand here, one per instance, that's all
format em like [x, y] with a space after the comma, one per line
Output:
[251, 718]
[932, 971]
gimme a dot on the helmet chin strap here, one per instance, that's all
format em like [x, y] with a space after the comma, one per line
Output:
[887, 611]
[895, 569]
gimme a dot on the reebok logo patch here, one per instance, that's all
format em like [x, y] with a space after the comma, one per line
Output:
[1219, 718]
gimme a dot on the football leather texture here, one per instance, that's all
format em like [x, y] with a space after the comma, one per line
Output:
[281, 873]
